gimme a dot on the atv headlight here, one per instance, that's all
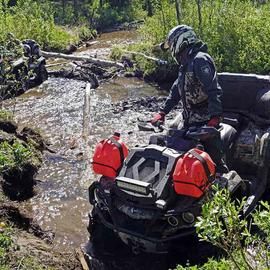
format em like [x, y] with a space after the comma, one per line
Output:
[133, 185]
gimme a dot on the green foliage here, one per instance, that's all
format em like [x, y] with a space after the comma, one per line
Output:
[237, 32]
[31, 20]
[16, 155]
[108, 17]
[5, 116]
[84, 32]
[221, 225]
[97, 14]
[6, 244]
[212, 264]
[262, 219]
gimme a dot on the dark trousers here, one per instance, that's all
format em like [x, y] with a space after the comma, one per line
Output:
[214, 148]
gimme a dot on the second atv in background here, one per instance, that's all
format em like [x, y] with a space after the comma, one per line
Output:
[21, 67]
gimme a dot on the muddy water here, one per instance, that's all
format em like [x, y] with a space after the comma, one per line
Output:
[56, 109]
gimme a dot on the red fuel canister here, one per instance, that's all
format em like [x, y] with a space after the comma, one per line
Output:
[193, 173]
[109, 156]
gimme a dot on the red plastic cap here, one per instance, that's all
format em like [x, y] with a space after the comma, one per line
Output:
[117, 134]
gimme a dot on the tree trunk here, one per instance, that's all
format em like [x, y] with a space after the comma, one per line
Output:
[64, 7]
[178, 10]
[100, 62]
[149, 8]
[199, 5]
[156, 60]
[163, 18]
[75, 8]
[100, 3]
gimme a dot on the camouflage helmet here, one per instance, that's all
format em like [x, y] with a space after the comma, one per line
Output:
[178, 39]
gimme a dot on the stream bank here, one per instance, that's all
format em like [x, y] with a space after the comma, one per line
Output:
[23, 243]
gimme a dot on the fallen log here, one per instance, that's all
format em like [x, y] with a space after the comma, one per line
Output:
[57, 64]
[76, 74]
[157, 60]
[86, 132]
[82, 260]
[100, 62]
[88, 44]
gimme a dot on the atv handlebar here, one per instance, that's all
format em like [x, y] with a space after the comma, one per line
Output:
[193, 133]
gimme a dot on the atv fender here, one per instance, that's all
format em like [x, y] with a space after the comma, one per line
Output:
[91, 192]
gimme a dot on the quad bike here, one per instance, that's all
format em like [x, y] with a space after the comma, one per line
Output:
[36, 62]
[24, 72]
[151, 195]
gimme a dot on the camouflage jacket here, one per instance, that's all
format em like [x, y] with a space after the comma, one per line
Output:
[196, 87]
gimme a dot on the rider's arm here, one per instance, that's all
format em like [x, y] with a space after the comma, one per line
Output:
[205, 71]
[173, 98]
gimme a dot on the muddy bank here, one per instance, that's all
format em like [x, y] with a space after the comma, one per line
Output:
[20, 158]
[22, 238]
[29, 246]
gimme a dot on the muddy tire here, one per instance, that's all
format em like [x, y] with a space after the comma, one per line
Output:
[95, 228]
[102, 237]
[42, 74]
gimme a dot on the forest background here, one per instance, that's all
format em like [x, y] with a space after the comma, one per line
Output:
[236, 31]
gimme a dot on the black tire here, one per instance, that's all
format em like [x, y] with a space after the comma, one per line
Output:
[21, 76]
[42, 74]
[102, 237]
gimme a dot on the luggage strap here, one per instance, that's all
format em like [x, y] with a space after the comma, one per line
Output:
[203, 162]
[120, 148]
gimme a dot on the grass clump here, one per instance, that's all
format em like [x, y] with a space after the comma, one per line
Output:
[16, 156]
[222, 225]
[5, 116]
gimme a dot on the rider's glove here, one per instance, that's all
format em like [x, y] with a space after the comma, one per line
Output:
[158, 119]
[214, 121]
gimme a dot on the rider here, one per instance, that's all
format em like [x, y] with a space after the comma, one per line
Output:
[196, 86]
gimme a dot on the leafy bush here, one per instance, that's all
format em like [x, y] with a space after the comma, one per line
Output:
[16, 156]
[212, 264]
[237, 32]
[31, 20]
[221, 225]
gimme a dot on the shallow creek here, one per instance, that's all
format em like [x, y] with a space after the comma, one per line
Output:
[56, 109]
